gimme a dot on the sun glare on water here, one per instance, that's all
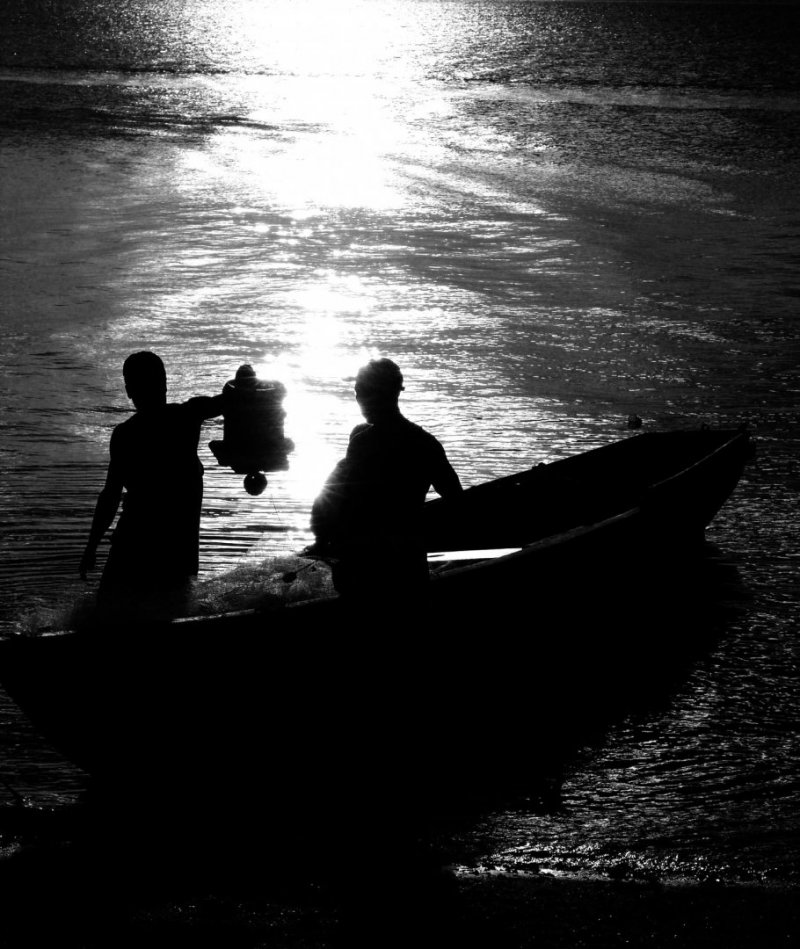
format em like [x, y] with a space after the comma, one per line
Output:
[337, 153]
[322, 37]
[271, 196]
[318, 380]
[311, 68]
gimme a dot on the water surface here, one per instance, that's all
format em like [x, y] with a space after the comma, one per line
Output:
[553, 216]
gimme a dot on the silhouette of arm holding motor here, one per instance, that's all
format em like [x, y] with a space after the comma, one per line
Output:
[154, 471]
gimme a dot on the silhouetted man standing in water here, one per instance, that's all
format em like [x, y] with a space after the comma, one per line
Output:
[155, 545]
[368, 515]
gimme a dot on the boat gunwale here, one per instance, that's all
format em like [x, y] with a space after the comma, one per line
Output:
[446, 575]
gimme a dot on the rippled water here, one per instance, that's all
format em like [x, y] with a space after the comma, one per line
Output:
[552, 215]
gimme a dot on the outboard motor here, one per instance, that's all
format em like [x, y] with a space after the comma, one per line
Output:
[252, 437]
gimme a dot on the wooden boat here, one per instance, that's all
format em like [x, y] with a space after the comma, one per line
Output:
[550, 587]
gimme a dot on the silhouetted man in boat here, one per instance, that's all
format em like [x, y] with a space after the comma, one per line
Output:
[153, 458]
[368, 515]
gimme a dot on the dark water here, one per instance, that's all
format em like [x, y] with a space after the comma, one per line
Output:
[552, 215]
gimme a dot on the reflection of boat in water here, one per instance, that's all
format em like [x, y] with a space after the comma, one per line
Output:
[550, 599]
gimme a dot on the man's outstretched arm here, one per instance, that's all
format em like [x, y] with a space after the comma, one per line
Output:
[207, 406]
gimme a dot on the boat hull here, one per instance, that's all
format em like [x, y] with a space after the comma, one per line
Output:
[489, 677]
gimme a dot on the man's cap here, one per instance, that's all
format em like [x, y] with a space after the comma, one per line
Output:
[380, 376]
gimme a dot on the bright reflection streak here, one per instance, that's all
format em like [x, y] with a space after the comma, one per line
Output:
[337, 156]
[316, 380]
[322, 37]
[337, 294]
[306, 413]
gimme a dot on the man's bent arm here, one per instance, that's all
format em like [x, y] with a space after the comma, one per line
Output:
[104, 512]
[446, 482]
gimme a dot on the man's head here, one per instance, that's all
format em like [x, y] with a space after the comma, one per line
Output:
[145, 379]
[378, 387]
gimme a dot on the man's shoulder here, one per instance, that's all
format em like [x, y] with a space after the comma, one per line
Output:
[361, 429]
[399, 428]
[124, 428]
[125, 436]
[419, 434]
[172, 413]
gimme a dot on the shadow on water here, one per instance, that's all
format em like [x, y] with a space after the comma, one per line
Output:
[352, 846]
[617, 647]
